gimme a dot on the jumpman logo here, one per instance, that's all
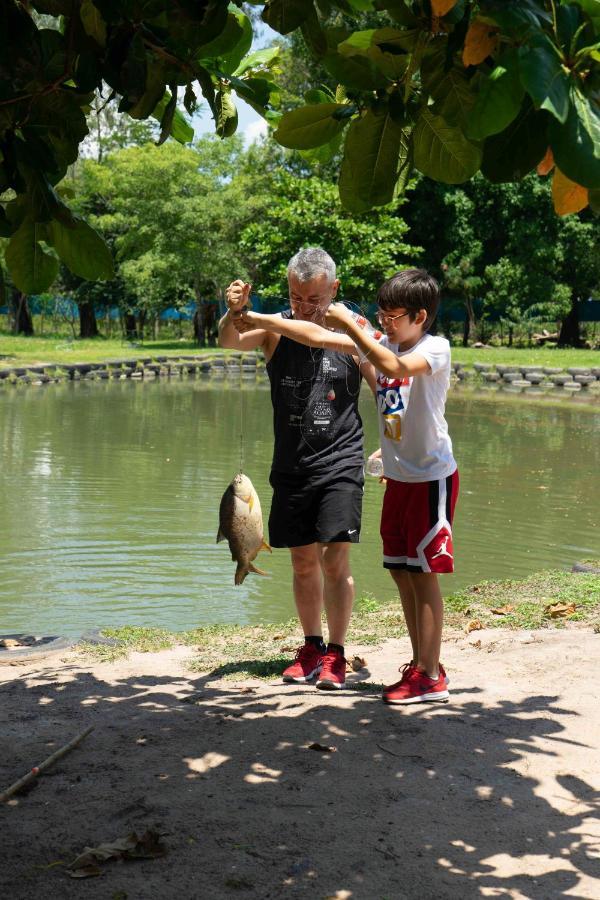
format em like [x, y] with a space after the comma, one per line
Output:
[443, 551]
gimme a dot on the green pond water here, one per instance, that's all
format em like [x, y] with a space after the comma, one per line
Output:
[110, 494]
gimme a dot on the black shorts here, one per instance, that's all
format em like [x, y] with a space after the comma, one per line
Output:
[307, 509]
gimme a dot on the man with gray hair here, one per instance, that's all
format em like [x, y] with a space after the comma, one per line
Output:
[317, 470]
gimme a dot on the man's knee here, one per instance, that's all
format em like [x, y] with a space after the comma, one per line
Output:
[335, 560]
[305, 560]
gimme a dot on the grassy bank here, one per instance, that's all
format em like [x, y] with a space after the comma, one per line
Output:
[549, 599]
[23, 351]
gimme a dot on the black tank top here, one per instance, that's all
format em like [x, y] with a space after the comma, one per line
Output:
[316, 422]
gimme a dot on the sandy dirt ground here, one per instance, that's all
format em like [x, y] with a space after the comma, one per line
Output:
[494, 794]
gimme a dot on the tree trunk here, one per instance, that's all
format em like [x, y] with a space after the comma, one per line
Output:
[88, 327]
[130, 327]
[141, 324]
[22, 321]
[569, 330]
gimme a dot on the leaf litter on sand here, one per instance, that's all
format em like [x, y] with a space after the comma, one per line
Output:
[321, 748]
[87, 864]
[559, 610]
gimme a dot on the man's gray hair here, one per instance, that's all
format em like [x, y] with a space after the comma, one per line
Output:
[310, 263]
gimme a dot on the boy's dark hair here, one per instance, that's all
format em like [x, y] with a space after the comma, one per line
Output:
[414, 289]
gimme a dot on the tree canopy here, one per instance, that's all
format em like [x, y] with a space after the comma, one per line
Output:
[449, 89]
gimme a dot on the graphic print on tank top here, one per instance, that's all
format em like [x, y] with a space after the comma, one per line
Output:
[316, 422]
[310, 398]
[392, 401]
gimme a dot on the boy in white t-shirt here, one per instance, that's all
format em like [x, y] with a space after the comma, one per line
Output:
[413, 375]
[421, 472]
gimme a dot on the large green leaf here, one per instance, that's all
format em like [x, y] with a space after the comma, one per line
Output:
[231, 60]
[576, 144]
[311, 126]
[324, 153]
[227, 117]
[181, 129]
[286, 15]
[498, 100]
[452, 91]
[355, 72]
[82, 250]
[260, 59]
[371, 161]
[31, 267]
[592, 8]
[93, 23]
[227, 40]
[442, 152]
[544, 77]
[510, 155]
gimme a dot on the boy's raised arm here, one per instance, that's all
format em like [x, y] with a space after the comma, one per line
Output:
[383, 359]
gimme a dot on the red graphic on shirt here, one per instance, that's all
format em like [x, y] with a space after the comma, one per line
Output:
[439, 552]
[386, 382]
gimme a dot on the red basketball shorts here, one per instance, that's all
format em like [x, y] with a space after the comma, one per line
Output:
[416, 524]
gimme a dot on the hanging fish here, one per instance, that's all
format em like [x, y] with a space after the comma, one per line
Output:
[240, 523]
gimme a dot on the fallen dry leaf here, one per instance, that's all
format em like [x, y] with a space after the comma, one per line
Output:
[287, 649]
[356, 664]
[321, 748]
[148, 846]
[247, 690]
[503, 610]
[568, 196]
[476, 645]
[475, 625]
[481, 40]
[559, 610]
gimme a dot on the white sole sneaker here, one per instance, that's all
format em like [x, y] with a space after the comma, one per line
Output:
[303, 679]
[330, 685]
[437, 697]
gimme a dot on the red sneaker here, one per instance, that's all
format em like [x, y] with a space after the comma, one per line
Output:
[308, 663]
[410, 665]
[416, 687]
[333, 673]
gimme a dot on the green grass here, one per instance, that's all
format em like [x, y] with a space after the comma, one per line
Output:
[525, 356]
[263, 651]
[128, 638]
[22, 351]
[528, 599]
[16, 350]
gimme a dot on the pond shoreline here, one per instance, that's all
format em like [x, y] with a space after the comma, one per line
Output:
[551, 381]
[564, 599]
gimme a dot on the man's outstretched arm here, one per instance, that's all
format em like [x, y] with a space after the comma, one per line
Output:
[308, 333]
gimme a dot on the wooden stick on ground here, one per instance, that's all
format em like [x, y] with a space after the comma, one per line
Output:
[37, 770]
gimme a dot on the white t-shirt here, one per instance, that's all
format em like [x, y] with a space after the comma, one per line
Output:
[415, 444]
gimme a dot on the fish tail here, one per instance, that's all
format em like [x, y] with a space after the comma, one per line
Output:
[240, 573]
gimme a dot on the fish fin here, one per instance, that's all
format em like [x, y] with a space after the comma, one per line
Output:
[220, 535]
[249, 500]
[257, 571]
[264, 546]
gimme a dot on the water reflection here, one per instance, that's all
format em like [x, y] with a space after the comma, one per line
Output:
[110, 493]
